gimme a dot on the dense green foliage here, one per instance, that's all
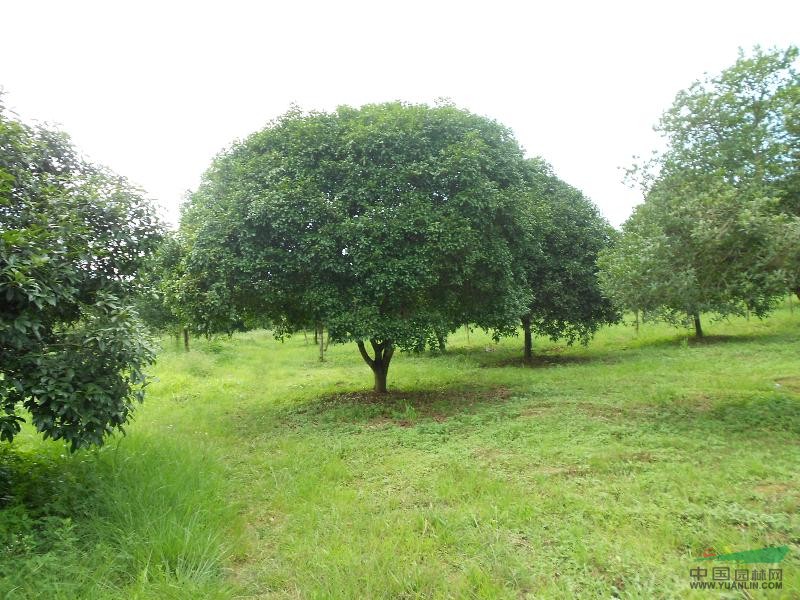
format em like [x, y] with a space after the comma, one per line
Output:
[557, 251]
[157, 303]
[253, 470]
[719, 230]
[387, 224]
[72, 235]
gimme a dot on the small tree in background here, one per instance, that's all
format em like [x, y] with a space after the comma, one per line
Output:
[159, 299]
[557, 257]
[72, 236]
[672, 263]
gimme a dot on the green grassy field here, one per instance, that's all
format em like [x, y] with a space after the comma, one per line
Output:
[254, 471]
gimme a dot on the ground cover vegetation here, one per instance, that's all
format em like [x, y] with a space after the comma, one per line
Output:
[254, 470]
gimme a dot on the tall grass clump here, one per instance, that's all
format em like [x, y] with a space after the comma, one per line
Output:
[144, 517]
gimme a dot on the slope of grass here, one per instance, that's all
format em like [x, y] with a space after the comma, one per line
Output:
[255, 471]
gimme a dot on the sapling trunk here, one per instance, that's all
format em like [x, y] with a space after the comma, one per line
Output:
[442, 340]
[526, 328]
[698, 329]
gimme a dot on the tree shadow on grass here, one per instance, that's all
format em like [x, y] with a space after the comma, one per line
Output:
[726, 416]
[553, 356]
[714, 340]
[545, 361]
[48, 482]
[403, 408]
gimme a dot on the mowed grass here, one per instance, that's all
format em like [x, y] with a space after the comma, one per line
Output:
[254, 471]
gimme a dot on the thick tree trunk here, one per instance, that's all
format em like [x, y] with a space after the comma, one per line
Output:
[316, 337]
[526, 328]
[186, 339]
[380, 364]
[797, 293]
[380, 380]
[698, 329]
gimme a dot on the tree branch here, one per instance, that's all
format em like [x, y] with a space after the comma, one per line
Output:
[378, 347]
[364, 354]
[388, 352]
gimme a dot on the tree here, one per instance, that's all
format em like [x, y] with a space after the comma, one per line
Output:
[160, 301]
[72, 236]
[388, 224]
[557, 255]
[684, 255]
[719, 227]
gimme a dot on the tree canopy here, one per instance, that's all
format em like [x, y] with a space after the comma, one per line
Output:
[72, 236]
[386, 224]
[719, 227]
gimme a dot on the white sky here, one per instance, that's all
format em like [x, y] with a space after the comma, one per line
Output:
[155, 89]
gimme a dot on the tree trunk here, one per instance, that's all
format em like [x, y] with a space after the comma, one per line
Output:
[637, 321]
[797, 293]
[698, 329]
[316, 338]
[380, 380]
[379, 364]
[186, 339]
[305, 336]
[321, 345]
[526, 327]
[442, 341]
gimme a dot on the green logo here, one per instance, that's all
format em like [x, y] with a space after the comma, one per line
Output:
[765, 555]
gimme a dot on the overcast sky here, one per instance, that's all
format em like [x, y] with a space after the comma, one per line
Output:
[155, 89]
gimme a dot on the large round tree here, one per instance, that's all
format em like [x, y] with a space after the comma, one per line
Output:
[386, 224]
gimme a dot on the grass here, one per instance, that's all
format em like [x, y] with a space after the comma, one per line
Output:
[254, 471]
